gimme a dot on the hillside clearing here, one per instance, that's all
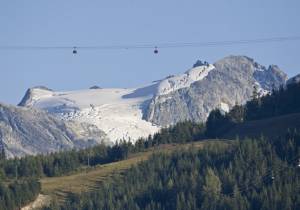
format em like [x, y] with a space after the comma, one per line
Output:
[91, 178]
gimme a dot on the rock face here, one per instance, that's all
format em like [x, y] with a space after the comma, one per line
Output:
[30, 131]
[95, 87]
[231, 81]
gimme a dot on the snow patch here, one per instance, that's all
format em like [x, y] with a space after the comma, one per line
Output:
[224, 107]
[261, 92]
[173, 83]
[37, 94]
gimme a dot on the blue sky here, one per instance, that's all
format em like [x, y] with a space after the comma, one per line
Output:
[74, 23]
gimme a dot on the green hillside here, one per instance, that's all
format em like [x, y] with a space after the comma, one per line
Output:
[247, 175]
[89, 179]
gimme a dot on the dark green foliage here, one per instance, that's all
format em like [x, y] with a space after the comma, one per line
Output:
[182, 132]
[216, 123]
[18, 193]
[280, 102]
[2, 151]
[217, 177]
[60, 163]
[237, 114]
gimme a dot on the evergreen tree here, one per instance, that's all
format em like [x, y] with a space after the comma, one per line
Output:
[2, 151]
[212, 184]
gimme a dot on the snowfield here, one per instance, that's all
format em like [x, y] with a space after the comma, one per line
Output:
[118, 112]
[119, 116]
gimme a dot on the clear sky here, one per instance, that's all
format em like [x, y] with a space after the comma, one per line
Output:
[111, 22]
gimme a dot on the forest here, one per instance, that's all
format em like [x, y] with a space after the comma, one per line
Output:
[18, 193]
[253, 174]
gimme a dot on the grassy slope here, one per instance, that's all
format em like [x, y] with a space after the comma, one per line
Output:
[89, 179]
[271, 127]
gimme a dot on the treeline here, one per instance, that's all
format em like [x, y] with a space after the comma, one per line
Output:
[56, 164]
[16, 194]
[181, 132]
[61, 163]
[251, 175]
[286, 100]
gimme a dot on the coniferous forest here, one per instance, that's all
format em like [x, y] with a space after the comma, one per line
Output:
[261, 173]
[252, 174]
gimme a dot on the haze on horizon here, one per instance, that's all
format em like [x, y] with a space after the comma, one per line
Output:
[77, 23]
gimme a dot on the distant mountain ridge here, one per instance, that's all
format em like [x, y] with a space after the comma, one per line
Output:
[138, 112]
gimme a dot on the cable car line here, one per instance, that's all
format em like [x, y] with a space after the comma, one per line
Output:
[152, 46]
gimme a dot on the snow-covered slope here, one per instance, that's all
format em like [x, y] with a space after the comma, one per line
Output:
[118, 112]
[173, 83]
[115, 111]
[138, 112]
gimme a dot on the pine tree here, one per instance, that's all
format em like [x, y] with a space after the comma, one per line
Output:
[212, 184]
[237, 114]
[255, 94]
[2, 150]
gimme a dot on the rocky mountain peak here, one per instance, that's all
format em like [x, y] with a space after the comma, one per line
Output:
[200, 63]
[231, 81]
[32, 94]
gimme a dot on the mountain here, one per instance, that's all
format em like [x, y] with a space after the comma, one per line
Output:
[26, 131]
[230, 81]
[138, 112]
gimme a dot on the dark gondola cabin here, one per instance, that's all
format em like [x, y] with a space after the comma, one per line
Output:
[74, 50]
